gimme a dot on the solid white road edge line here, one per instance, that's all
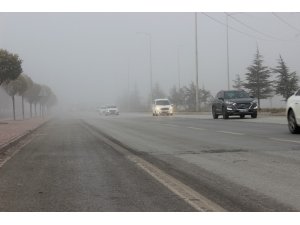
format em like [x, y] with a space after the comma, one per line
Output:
[8, 157]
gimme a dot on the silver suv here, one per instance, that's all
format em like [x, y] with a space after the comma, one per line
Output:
[162, 106]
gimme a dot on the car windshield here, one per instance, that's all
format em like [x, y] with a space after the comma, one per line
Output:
[162, 102]
[112, 106]
[235, 94]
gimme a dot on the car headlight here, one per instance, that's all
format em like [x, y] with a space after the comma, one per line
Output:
[230, 103]
[157, 108]
[254, 104]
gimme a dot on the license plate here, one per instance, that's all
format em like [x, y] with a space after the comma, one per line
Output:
[243, 110]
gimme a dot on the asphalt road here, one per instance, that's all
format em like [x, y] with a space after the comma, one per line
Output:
[241, 164]
[66, 168]
[235, 165]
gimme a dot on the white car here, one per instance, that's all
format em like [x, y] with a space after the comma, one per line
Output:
[293, 112]
[111, 110]
[101, 110]
[162, 106]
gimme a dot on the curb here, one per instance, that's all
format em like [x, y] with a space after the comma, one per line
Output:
[15, 140]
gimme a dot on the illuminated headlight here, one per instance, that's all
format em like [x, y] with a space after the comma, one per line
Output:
[228, 108]
[157, 108]
[171, 109]
[254, 104]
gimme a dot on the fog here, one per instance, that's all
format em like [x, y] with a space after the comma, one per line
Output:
[93, 58]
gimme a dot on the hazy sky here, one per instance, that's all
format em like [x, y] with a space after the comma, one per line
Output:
[86, 57]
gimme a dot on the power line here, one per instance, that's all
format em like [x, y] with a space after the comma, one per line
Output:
[285, 22]
[254, 29]
[232, 28]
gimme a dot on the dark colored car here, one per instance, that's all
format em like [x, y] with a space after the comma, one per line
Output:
[235, 102]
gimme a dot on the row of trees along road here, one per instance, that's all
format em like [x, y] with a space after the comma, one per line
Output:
[183, 98]
[258, 80]
[15, 83]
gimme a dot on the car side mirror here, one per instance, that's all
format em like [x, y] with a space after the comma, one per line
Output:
[251, 96]
[222, 99]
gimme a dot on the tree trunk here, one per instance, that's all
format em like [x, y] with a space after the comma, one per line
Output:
[35, 110]
[23, 107]
[14, 110]
[30, 110]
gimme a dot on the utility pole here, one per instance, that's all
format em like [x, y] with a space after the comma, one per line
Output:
[228, 82]
[178, 66]
[150, 60]
[128, 86]
[227, 42]
[196, 58]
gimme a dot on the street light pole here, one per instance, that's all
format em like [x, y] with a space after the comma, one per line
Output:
[128, 86]
[228, 81]
[196, 58]
[150, 61]
[178, 66]
[227, 40]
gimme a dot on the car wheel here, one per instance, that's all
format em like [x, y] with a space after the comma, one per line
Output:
[225, 114]
[254, 115]
[214, 113]
[293, 127]
[171, 114]
[242, 116]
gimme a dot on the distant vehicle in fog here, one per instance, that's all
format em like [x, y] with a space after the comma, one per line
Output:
[101, 110]
[111, 110]
[235, 102]
[162, 107]
[293, 112]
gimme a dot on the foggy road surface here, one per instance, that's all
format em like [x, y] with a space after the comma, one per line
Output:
[66, 168]
[136, 162]
[241, 164]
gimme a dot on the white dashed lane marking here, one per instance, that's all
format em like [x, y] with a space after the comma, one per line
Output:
[196, 128]
[285, 140]
[170, 125]
[229, 132]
